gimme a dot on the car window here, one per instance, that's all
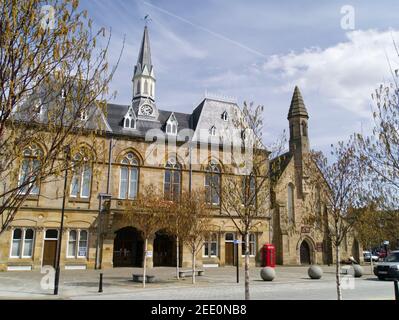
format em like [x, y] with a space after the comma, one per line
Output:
[393, 257]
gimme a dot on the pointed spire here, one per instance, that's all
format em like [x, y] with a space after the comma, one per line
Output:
[144, 58]
[297, 107]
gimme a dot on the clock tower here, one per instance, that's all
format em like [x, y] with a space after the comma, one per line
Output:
[144, 83]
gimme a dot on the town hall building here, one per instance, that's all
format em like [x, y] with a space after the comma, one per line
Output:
[127, 165]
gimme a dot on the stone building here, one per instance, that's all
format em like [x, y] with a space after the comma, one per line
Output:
[295, 240]
[128, 161]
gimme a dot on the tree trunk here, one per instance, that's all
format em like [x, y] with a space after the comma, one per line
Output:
[247, 296]
[193, 266]
[177, 257]
[145, 261]
[337, 272]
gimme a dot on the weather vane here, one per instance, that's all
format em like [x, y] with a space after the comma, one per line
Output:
[147, 19]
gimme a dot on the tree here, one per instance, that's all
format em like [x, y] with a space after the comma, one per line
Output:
[177, 224]
[379, 152]
[148, 213]
[195, 217]
[339, 183]
[377, 225]
[53, 83]
[245, 193]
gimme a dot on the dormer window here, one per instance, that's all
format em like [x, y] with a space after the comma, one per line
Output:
[212, 131]
[84, 115]
[225, 116]
[129, 121]
[63, 93]
[37, 106]
[171, 125]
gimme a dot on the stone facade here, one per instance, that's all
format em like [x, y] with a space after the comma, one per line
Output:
[91, 239]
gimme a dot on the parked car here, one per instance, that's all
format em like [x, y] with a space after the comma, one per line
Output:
[389, 268]
[367, 256]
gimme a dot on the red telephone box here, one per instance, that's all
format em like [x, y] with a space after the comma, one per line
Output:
[268, 255]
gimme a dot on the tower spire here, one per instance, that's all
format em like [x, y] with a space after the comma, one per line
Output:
[144, 58]
[297, 107]
[144, 82]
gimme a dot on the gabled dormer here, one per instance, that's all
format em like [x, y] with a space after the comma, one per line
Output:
[171, 126]
[129, 120]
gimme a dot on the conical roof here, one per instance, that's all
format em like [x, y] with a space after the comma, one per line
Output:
[297, 107]
[144, 58]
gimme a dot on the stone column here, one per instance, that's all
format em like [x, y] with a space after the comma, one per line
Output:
[38, 249]
[107, 251]
[186, 257]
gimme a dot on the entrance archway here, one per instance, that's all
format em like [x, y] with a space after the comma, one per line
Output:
[128, 248]
[164, 250]
[305, 253]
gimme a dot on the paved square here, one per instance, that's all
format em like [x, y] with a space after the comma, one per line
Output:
[217, 283]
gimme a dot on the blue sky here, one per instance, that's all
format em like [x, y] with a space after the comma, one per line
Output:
[258, 51]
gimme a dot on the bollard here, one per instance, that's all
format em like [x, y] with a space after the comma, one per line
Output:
[100, 285]
[395, 283]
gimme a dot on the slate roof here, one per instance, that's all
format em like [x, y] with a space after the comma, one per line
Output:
[116, 113]
[278, 165]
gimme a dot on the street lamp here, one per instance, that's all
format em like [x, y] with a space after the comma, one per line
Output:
[101, 197]
[57, 261]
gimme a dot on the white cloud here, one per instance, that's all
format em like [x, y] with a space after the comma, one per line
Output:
[346, 73]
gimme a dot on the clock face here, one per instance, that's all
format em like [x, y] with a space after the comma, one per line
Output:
[146, 110]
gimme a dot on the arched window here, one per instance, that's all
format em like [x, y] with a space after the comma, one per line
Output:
[145, 87]
[318, 206]
[212, 184]
[249, 190]
[172, 180]
[304, 128]
[138, 87]
[212, 131]
[290, 203]
[129, 176]
[225, 116]
[81, 178]
[30, 169]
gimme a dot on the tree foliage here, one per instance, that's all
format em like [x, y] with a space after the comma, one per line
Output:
[54, 79]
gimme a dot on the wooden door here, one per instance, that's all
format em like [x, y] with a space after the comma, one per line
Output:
[229, 252]
[49, 252]
[304, 253]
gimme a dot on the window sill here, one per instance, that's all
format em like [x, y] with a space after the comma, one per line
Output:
[29, 196]
[78, 199]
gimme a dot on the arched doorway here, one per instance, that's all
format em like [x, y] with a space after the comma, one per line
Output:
[128, 248]
[164, 250]
[304, 253]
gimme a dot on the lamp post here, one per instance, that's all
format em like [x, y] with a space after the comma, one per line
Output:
[101, 197]
[58, 256]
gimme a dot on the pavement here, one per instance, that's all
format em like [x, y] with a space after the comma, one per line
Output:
[291, 283]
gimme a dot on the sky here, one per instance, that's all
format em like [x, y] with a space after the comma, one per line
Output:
[337, 52]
